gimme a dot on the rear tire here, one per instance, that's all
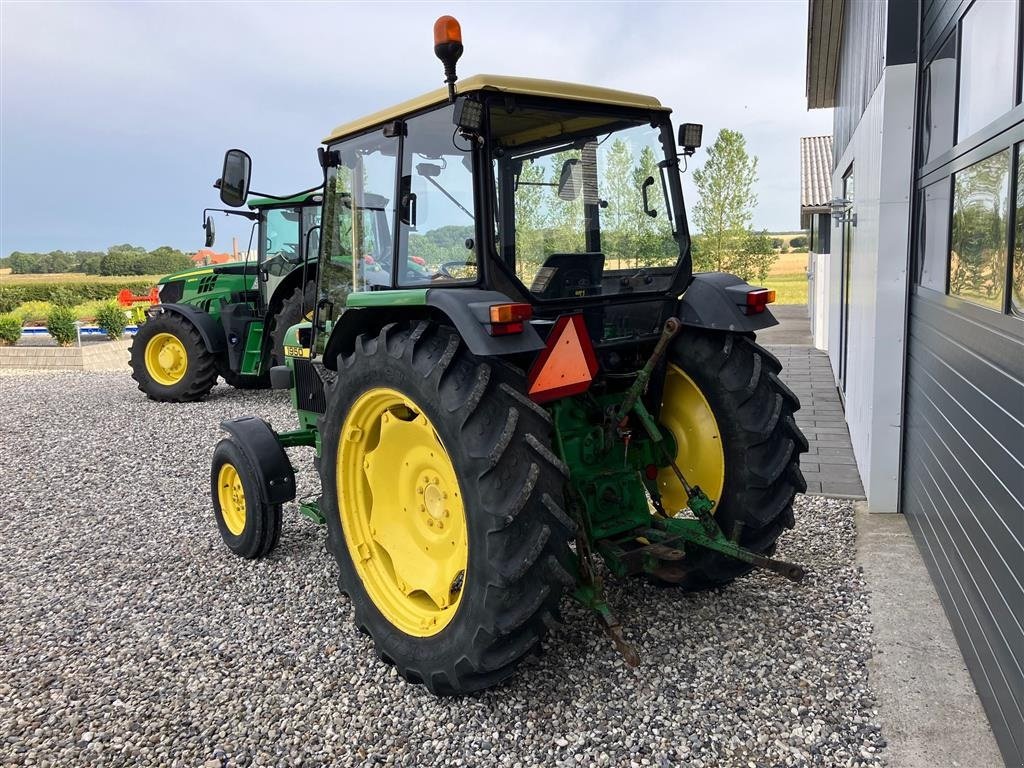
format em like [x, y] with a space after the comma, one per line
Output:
[249, 526]
[509, 480]
[170, 361]
[760, 442]
[293, 310]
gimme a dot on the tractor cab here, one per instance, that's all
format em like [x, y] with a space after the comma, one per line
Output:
[554, 194]
[288, 238]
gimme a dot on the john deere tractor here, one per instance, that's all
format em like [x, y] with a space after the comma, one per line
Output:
[535, 391]
[230, 319]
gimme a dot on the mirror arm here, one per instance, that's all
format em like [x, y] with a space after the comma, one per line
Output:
[250, 215]
[288, 197]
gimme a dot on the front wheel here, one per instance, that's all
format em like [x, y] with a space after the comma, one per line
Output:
[170, 361]
[249, 526]
[732, 421]
[442, 499]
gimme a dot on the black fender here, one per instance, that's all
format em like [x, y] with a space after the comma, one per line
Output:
[467, 309]
[208, 327]
[717, 301]
[259, 444]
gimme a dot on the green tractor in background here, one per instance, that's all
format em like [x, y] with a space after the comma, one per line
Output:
[495, 413]
[229, 320]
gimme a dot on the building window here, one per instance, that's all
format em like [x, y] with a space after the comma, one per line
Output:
[987, 64]
[978, 247]
[934, 235]
[1018, 239]
[939, 102]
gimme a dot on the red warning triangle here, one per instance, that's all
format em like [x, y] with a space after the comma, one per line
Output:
[567, 365]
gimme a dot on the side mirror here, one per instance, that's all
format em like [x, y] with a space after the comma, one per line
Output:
[234, 179]
[690, 135]
[211, 233]
[570, 180]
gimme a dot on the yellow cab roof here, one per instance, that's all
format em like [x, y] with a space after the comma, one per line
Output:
[526, 86]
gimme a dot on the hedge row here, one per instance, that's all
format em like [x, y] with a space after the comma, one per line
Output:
[66, 294]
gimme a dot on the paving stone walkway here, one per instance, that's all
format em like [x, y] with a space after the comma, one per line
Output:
[829, 465]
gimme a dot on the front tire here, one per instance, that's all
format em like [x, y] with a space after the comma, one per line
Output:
[732, 420]
[170, 361]
[419, 432]
[249, 526]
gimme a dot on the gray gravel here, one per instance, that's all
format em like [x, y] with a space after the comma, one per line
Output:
[130, 636]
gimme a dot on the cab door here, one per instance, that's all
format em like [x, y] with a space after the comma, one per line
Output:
[280, 248]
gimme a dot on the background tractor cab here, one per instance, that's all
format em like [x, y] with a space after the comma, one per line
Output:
[230, 319]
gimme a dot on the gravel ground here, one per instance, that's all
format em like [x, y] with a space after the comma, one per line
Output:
[130, 636]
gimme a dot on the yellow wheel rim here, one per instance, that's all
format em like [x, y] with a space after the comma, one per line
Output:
[231, 496]
[685, 412]
[166, 359]
[402, 512]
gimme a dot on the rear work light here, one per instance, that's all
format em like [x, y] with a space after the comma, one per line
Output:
[508, 319]
[758, 300]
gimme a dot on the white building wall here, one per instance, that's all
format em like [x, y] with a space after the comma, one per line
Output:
[880, 152]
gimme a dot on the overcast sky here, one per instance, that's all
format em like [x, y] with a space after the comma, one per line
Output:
[114, 116]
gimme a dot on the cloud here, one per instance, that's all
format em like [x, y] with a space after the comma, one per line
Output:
[115, 115]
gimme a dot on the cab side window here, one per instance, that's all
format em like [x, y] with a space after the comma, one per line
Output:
[436, 227]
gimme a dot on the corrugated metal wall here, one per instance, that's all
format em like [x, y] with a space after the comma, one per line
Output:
[861, 59]
[963, 457]
[963, 492]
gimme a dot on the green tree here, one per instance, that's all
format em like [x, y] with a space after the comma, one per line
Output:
[725, 209]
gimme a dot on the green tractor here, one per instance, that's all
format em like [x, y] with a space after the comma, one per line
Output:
[230, 319]
[535, 393]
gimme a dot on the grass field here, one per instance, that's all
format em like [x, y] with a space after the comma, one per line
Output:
[788, 278]
[71, 277]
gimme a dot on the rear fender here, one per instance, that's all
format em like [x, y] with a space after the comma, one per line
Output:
[717, 301]
[467, 309]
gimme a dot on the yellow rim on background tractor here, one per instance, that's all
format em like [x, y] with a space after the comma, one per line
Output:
[402, 512]
[686, 413]
[166, 359]
[231, 496]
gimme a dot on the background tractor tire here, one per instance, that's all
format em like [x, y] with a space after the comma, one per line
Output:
[760, 444]
[249, 526]
[293, 310]
[239, 381]
[510, 481]
[170, 361]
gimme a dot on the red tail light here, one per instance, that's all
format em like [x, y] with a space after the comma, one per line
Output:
[758, 300]
[508, 319]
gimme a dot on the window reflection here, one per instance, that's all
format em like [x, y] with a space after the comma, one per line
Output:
[977, 257]
[987, 64]
[1018, 248]
[940, 101]
[935, 235]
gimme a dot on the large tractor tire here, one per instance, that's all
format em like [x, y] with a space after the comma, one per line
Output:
[443, 504]
[732, 419]
[170, 361]
[249, 526]
[297, 307]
